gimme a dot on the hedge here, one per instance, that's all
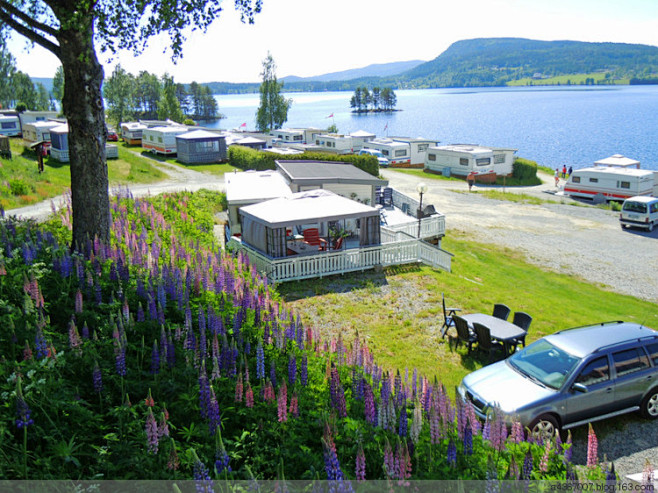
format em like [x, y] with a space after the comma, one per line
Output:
[524, 169]
[246, 158]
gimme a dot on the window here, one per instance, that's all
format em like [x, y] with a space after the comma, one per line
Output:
[654, 207]
[8, 125]
[431, 157]
[151, 138]
[385, 152]
[624, 184]
[208, 146]
[652, 349]
[575, 179]
[485, 161]
[595, 371]
[463, 161]
[297, 137]
[422, 147]
[160, 140]
[499, 158]
[629, 361]
[593, 180]
[400, 153]
[317, 142]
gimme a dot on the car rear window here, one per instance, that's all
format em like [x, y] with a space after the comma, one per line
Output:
[629, 361]
[652, 349]
[635, 207]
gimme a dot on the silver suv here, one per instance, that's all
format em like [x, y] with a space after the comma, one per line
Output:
[571, 378]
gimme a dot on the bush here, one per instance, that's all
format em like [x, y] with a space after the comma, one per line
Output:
[524, 169]
[246, 158]
[20, 187]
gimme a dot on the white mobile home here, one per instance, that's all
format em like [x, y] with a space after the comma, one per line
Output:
[360, 137]
[39, 131]
[417, 148]
[161, 140]
[459, 159]
[503, 160]
[619, 161]
[609, 182]
[59, 138]
[132, 132]
[336, 143]
[10, 125]
[397, 153]
[36, 116]
[284, 136]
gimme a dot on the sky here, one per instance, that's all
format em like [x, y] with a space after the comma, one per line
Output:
[309, 37]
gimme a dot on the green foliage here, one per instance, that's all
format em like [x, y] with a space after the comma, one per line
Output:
[379, 99]
[524, 169]
[246, 158]
[20, 187]
[272, 112]
[168, 106]
[118, 91]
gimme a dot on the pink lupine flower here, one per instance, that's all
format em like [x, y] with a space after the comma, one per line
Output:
[151, 433]
[389, 460]
[149, 400]
[78, 301]
[360, 465]
[74, 337]
[282, 402]
[517, 435]
[249, 396]
[27, 352]
[239, 389]
[648, 474]
[294, 406]
[592, 447]
[543, 464]
[163, 427]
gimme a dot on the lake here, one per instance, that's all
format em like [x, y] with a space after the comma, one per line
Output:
[574, 125]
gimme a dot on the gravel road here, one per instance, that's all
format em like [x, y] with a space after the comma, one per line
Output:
[586, 242]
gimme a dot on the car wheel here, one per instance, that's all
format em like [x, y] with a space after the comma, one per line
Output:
[649, 407]
[544, 427]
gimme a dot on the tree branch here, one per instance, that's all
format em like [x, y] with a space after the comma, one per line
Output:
[8, 13]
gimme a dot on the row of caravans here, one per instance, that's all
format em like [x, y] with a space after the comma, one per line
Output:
[13, 124]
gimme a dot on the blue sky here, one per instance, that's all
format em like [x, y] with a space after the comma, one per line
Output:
[307, 37]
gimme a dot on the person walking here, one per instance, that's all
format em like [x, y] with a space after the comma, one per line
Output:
[570, 170]
[470, 179]
[557, 177]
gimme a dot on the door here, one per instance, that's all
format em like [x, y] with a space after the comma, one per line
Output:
[633, 377]
[600, 396]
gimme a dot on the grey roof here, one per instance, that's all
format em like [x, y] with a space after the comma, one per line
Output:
[319, 172]
[583, 341]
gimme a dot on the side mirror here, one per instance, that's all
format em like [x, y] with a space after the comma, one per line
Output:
[579, 387]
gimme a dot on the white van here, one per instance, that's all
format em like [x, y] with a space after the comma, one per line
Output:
[374, 152]
[640, 211]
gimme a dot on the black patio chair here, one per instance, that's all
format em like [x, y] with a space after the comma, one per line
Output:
[501, 311]
[485, 343]
[387, 197]
[523, 320]
[464, 333]
[448, 314]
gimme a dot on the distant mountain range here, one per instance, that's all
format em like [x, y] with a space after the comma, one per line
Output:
[494, 62]
[374, 70]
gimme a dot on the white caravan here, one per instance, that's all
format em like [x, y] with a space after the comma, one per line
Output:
[39, 131]
[10, 125]
[396, 152]
[460, 159]
[609, 183]
[161, 140]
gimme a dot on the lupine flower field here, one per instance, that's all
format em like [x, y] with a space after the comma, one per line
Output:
[161, 357]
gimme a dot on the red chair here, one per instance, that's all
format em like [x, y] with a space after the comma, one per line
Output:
[338, 244]
[312, 237]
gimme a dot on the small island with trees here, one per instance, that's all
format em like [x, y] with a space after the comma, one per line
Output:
[377, 100]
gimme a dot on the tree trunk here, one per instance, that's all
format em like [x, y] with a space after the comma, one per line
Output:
[83, 107]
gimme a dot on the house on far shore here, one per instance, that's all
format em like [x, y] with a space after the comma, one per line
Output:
[200, 146]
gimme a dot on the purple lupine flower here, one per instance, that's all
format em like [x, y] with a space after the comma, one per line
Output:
[23, 412]
[222, 462]
[292, 369]
[97, 378]
[517, 434]
[202, 478]
[435, 431]
[486, 430]
[527, 466]
[402, 428]
[304, 371]
[282, 403]
[204, 392]
[78, 301]
[389, 460]
[155, 359]
[568, 449]
[214, 415]
[370, 407]
[360, 472]
[163, 427]
[120, 360]
[151, 433]
[40, 344]
[74, 337]
[468, 441]
[85, 331]
[273, 374]
[452, 454]
[140, 312]
[337, 394]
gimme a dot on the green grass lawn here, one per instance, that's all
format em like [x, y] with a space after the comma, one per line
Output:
[423, 174]
[399, 310]
[213, 169]
[21, 184]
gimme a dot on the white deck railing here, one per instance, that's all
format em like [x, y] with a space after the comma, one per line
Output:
[355, 259]
[430, 227]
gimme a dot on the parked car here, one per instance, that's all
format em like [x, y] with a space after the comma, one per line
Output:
[640, 211]
[571, 378]
[112, 135]
[381, 159]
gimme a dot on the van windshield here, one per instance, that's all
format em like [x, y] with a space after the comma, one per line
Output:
[635, 207]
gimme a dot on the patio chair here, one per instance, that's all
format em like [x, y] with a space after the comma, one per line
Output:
[338, 244]
[448, 314]
[523, 320]
[312, 237]
[485, 343]
[501, 311]
[464, 333]
[387, 197]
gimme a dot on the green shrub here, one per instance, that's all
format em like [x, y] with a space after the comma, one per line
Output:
[246, 158]
[524, 169]
[20, 187]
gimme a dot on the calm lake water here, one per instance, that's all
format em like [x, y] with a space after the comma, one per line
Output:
[551, 125]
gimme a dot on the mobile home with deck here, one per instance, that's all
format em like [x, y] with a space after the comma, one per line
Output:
[397, 153]
[161, 140]
[610, 182]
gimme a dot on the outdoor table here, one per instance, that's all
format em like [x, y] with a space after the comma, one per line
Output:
[501, 330]
[302, 248]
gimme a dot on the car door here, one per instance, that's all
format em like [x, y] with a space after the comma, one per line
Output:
[633, 376]
[600, 395]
